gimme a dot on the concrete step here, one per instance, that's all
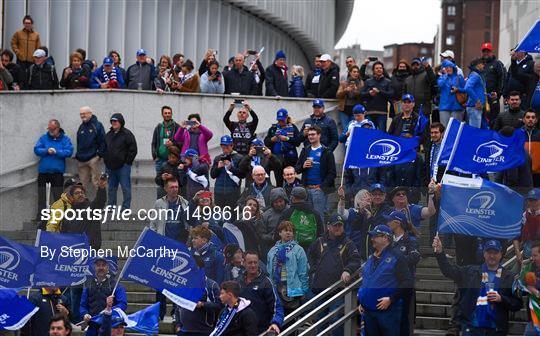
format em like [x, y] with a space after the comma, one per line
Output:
[439, 286]
[429, 332]
[428, 297]
[430, 276]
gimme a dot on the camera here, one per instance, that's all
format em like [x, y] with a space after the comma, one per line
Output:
[224, 157]
[252, 52]
[373, 58]
[259, 151]
[104, 176]
[238, 103]
[190, 123]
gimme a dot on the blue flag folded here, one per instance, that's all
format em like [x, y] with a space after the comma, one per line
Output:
[478, 207]
[421, 123]
[448, 142]
[146, 320]
[531, 41]
[480, 151]
[173, 271]
[17, 264]
[15, 310]
[69, 264]
[374, 148]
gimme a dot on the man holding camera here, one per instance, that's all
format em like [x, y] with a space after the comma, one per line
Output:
[259, 155]
[225, 169]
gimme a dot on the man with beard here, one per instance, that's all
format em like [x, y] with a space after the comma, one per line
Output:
[532, 144]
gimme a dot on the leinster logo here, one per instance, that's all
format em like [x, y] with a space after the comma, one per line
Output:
[480, 204]
[384, 150]
[173, 269]
[490, 153]
[9, 258]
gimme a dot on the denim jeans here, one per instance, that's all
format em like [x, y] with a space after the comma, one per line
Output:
[379, 121]
[158, 163]
[319, 200]
[120, 176]
[344, 119]
[474, 117]
[383, 322]
[446, 115]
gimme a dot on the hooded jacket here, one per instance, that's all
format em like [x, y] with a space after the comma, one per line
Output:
[240, 82]
[328, 82]
[296, 266]
[61, 204]
[90, 140]
[121, 146]
[271, 217]
[419, 84]
[244, 322]
[495, 73]
[276, 82]
[306, 207]
[475, 88]
[398, 83]
[53, 163]
[157, 137]
[445, 82]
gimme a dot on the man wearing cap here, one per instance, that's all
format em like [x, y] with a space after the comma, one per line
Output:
[387, 282]
[408, 246]
[377, 93]
[276, 76]
[121, 150]
[24, 42]
[259, 155]
[96, 292]
[41, 75]
[476, 90]
[329, 133]
[107, 76]
[318, 168]
[532, 143]
[521, 77]
[283, 138]
[404, 123]
[449, 56]
[486, 291]
[193, 173]
[141, 74]
[530, 230]
[226, 171]
[359, 115]
[420, 84]
[494, 73]
[239, 79]
[329, 78]
[307, 221]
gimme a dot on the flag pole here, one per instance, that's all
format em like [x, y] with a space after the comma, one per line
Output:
[346, 155]
[436, 168]
[452, 154]
[36, 244]
[121, 274]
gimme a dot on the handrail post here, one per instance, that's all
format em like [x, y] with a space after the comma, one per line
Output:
[350, 304]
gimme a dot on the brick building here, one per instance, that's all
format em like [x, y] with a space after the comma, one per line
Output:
[395, 52]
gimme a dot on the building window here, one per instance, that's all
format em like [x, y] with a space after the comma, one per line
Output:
[450, 26]
[451, 11]
[487, 36]
[450, 40]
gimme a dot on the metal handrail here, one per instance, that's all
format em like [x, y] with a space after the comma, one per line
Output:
[21, 167]
[339, 322]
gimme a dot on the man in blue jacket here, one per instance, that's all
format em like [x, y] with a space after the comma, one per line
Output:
[90, 147]
[225, 170]
[329, 133]
[53, 148]
[475, 87]
[387, 280]
[107, 76]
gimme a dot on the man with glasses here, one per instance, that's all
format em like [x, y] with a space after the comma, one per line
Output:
[532, 143]
[405, 122]
[53, 148]
[318, 168]
[119, 156]
[329, 133]
[387, 282]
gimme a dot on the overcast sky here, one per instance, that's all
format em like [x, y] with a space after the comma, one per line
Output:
[376, 23]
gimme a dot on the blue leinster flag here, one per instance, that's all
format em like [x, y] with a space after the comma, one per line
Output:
[531, 41]
[64, 259]
[17, 263]
[374, 148]
[478, 207]
[15, 310]
[173, 271]
[448, 141]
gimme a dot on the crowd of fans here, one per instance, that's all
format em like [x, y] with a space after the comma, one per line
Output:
[268, 247]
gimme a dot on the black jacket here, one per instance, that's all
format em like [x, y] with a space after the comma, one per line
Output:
[156, 135]
[494, 74]
[400, 126]
[244, 323]
[328, 82]
[469, 280]
[38, 325]
[42, 77]
[398, 83]
[242, 135]
[243, 83]
[18, 74]
[328, 168]
[513, 118]
[276, 83]
[379, 101]
[521, 77]
[249, 191]
[121, 146]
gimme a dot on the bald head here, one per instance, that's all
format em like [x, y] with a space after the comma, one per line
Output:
[258, 174]
[239, 61]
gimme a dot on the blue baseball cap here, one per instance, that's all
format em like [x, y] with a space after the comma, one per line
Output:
[377, 186]
[533, 194]
[407, 97]
[282, 114]
[358, 109]
[318, 102]
[141, 52]
[226, 140]
[257, 142]
[396, 215]
[190, 153]
[108, 61]
[492, 244]
[380, 230]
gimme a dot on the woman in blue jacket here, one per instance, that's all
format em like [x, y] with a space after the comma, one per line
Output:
[475, 87]
[288, 267]
[447, 83]
[296, 87]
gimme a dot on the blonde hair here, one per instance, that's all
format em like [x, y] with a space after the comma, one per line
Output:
[297, 71]
[358, 198]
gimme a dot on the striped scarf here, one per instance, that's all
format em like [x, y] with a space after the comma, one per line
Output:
[280, 260]
[110, 76]
[225, 319]
[485, 312]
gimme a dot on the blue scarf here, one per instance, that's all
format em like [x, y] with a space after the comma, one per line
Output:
[109, 76]
[485, 312]
[225, 319]
[281, 147]
[281, 259]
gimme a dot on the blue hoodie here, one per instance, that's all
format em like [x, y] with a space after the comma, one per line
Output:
[475, 88]
[55, 163]
[448, 100]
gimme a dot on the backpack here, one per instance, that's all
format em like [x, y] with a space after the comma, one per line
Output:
[305, 225]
